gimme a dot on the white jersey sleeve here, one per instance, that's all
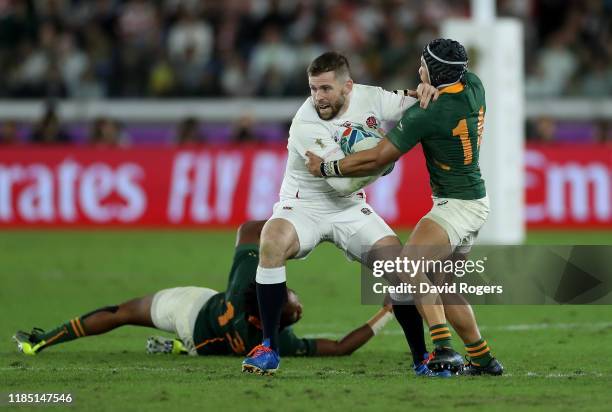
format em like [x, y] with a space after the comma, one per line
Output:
[393, 104]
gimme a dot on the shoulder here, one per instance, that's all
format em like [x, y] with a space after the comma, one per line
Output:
[307, 122]
[369, 95]
[366, 89]
[417, 112]
[472, 79]
[415, 122]
[306, 112]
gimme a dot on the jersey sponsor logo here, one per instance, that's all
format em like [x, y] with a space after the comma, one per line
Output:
[287, 207]
[442, 203]
[400, 127]
[372, 122]
[366, 211]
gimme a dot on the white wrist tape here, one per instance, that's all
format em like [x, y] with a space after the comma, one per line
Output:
[380, 320]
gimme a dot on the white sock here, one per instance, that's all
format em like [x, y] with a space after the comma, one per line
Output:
[268, 276]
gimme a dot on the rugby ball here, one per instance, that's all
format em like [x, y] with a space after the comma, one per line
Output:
[356, 138]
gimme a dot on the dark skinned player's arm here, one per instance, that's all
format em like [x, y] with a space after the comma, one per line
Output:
[249, 232]
[364, 163]
[356, 338]
[368, 162]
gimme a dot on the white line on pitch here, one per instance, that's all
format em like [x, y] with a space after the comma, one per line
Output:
[511, 328]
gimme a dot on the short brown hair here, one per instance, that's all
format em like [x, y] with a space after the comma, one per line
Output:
[330, 62]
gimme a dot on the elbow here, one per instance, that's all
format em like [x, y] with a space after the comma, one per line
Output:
[342, 350]
[374, 163]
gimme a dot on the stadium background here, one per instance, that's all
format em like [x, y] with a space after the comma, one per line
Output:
[136, 120]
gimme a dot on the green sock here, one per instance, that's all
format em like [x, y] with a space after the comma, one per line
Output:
[440, 335]
[73, 329]
[479, 352]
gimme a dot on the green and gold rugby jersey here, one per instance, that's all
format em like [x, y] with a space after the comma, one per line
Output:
[223, 326]
[450, 131]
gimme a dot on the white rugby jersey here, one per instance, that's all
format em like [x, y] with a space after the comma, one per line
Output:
[369, 106]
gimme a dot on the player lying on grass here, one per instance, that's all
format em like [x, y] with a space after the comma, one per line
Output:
[205, 321]
[450, 133]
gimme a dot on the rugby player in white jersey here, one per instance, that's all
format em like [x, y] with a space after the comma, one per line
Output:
[312, 210]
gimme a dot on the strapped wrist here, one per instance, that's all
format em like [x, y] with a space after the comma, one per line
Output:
[379, 320]
[331, 168]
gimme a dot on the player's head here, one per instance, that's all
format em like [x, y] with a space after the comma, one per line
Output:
[292, 310]
[443, 62]
[329, 78]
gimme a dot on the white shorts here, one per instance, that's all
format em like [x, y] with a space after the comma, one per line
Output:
[462, 219]
[354, 228]
[175, 310]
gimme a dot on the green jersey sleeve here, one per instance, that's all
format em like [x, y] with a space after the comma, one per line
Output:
[291, 345]
[243, 271]
[415, 125]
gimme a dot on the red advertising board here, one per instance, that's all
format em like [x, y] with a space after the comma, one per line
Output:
[567, 186]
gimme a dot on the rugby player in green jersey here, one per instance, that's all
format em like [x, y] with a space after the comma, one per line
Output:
[450, 133]
[207, 322]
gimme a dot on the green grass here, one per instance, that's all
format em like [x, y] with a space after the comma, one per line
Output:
[555, 356]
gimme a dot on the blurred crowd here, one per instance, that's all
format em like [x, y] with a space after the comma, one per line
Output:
[93, 49]
[136, 48]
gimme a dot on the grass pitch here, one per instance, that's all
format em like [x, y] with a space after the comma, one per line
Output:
[556, 357]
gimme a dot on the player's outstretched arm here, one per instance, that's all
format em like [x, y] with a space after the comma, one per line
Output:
[357, 338]
[364, 163]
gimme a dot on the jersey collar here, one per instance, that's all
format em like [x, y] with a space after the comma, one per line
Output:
[453, 88]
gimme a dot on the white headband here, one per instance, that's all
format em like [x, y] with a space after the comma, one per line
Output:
[442, 60]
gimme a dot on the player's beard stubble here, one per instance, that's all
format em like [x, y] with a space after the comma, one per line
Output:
[332, 109]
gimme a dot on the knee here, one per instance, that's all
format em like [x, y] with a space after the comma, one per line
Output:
[278, 242]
